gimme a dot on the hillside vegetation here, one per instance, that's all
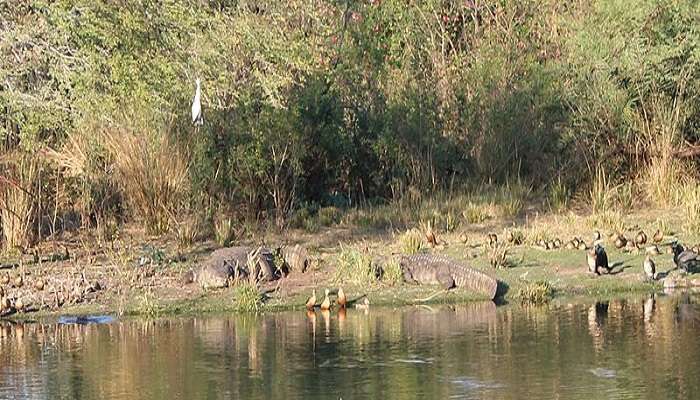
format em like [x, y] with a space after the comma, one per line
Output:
[311, 107]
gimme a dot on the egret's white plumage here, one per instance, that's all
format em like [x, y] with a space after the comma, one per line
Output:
[197, 118]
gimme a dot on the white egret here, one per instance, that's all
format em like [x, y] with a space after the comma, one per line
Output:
[197, 117]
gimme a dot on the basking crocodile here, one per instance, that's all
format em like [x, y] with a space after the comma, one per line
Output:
[231, 263]
[224, 265]
[435, 269]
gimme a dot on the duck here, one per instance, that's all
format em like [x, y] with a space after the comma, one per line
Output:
[326, 304]
[658, 236]
[557, 243]
[570, 245]
[649, 268]
[39, 285]
[364, 305]
[684, 259]
[492, 239]
[653, 250]
[18, 281]
[5, 278]
[342, 299]
[510, 237]
[430, 237]
[19, 304]
[5, 304]
[463, 238]
[311, 302]
[582, 245]
[630, 247]
[596, 235]
[620, 241]
[641, 238]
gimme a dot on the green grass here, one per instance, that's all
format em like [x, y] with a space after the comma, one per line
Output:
[355, 266]
[247, 298]
[537, 292]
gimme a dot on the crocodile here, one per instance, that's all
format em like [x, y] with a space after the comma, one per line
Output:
[230, 263]
[429, 269]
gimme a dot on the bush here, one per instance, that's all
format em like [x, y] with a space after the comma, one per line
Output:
[247, 298]
[537, 292]
[355, 266]
[152, 173]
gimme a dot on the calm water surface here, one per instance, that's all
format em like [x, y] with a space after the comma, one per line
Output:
[618, 349]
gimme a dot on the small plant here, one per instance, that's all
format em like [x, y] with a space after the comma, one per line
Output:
[328, 216]
[609, 220]
[498, 255]
[559, 195]
[186, 233]
[537, 292]
[148, 306]
[602, 193]
[223, 231]
[474, 214]
[451, 222]
[511, 198]
[392, 274]
[410, 242]
[355, 266]
[689, 198]
[247, 298]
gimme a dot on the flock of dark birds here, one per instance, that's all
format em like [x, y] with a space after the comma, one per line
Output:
[597, 258]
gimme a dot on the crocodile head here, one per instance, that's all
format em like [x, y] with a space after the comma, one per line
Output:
[406, 269]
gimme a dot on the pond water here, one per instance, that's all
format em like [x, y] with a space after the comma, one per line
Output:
[629, 348]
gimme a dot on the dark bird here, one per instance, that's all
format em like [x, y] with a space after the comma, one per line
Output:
[510, 237]
[684, 259]
[649, 268]
[597, 258]
[601, 258]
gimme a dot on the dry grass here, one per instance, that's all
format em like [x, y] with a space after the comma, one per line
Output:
[19, 201]
[152, 174]
[410, 242]
[688, 197]
[223, 230]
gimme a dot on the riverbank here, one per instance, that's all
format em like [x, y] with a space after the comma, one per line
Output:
[135, 275]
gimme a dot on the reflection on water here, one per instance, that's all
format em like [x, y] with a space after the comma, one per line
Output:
[632, 348]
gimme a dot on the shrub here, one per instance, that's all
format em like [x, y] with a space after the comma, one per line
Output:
[247, 298]
[152, 173]
[410, 241]
[19, 199]
[355, 266]
[537, 292]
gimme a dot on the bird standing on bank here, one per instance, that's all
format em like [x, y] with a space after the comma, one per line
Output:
[311, 302]
[326, 305]
[342, 299]
[197, 118]
[649, 268]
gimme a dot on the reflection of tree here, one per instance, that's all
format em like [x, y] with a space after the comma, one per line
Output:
[536, 352]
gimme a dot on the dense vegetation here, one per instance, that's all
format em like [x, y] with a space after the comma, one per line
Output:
[314, 103]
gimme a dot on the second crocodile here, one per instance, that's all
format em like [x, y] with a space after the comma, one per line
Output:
[432, 269]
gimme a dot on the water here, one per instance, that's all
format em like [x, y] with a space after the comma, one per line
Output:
[620, 349]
